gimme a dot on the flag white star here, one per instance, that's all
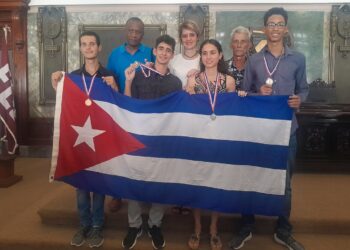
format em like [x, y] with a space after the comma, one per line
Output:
[87, 134]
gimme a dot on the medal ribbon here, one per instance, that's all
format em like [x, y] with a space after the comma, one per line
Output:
[275, 68]
[211, 99]
[144, 66]
[88, 91]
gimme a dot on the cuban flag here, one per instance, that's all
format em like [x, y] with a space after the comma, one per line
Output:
[170, 151]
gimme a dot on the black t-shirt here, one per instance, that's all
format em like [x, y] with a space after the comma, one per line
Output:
[154, 86]
[102, 71]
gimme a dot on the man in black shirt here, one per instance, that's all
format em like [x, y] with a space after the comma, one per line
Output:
[90, 209]
[150, 84]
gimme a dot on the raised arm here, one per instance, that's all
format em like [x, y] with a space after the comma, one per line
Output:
[129, 77]
[189, 88]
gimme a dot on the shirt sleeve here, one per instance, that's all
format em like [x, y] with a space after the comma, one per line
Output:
[112, 63]
[174, 85]
[248, 77]
[301, 85]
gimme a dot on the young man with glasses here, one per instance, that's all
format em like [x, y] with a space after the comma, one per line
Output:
[276, 70]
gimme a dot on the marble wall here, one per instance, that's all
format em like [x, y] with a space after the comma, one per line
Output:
[309, 28]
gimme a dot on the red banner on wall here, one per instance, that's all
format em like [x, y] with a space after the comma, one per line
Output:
[7, 108]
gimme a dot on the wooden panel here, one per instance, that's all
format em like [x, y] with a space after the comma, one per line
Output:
[324, 137]
[14, 14]
[52, 37]
[41, 130]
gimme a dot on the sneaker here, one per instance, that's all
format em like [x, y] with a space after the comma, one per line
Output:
[130, 239]
[288, 241]
[155, 233]
[238, 241]
[95, 237]
[80, 236]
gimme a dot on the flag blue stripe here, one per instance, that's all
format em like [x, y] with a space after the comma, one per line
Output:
[227, 103]
[185, 195]
[229, 152]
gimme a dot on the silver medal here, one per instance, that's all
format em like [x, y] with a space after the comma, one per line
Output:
[212, 116]
[269, 81]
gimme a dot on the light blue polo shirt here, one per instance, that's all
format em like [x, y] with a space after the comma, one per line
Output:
[120, 59]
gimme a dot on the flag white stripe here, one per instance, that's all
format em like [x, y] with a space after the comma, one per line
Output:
[56, 131]
[205, 174]
[201, 126]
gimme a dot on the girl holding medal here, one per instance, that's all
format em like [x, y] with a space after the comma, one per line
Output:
[213, 74]
[212, 79]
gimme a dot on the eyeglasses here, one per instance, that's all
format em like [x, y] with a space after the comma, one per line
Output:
[275, 25]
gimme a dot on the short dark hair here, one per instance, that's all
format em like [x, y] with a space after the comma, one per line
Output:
[276, 11]
[166, 39]
[222, 67]
[90, 33]
[134, 20]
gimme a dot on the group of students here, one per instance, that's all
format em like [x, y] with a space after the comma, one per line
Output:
[276, 70]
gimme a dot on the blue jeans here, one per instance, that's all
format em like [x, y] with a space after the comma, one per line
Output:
[283, 224]
[90, 216]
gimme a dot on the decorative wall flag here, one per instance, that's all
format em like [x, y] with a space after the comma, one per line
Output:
[169, 151]
[7, 107]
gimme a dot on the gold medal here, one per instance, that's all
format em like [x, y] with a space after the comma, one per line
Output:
[88, 102]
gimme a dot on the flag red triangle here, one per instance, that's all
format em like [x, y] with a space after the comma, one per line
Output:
[113, 142]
